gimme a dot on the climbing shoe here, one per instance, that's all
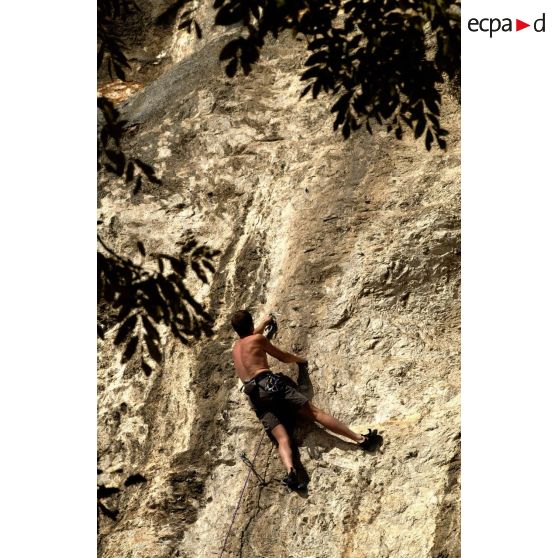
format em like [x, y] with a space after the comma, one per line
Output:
[290, 480]
[372, 441]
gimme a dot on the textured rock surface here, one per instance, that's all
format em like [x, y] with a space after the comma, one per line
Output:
[356, 245]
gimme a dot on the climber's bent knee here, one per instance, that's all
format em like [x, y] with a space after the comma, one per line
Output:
[309, 410]
[280, 433]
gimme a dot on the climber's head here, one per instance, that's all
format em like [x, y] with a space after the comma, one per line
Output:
[242, 323]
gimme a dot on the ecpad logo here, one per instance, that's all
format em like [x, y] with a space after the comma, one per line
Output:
[493, 25]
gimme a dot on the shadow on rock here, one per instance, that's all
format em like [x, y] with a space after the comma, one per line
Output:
[326, 440]
[303, 382]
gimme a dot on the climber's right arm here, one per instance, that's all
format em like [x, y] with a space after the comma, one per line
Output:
[260, 327]
[283, 356]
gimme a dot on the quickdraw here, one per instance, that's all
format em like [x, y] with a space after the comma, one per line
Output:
[240, 497]
[247, 461]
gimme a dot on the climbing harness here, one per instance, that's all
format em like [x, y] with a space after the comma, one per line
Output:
[251, 469]
[268, 381]
[273, 383]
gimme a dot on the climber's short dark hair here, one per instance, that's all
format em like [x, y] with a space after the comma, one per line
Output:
[242, 323]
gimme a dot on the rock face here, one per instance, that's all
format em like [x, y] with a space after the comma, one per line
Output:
[355, 244]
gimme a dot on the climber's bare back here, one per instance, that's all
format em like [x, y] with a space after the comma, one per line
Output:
[249, 356]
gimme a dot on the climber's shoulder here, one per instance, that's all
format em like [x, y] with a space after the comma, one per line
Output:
[257, 339]
[257, 342]
[251, 340]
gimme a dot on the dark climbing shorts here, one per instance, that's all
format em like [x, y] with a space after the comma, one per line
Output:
[273, 399]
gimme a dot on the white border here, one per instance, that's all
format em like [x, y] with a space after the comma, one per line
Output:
[509, 284]
[509, 276]
[48, 279]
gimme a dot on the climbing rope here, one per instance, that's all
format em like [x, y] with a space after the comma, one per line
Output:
[269, 332]
[241, 495]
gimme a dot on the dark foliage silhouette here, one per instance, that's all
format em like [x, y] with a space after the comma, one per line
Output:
[139, 300]
[380, 61]
[184, 11]
[110, 48]
[135, 298]
[375, 58]
[110, 156]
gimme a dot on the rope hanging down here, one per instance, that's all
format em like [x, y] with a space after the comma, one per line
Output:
[269, 332]
[241, 495]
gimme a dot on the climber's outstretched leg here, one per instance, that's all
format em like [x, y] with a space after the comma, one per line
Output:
[285, 452]
[310, 411]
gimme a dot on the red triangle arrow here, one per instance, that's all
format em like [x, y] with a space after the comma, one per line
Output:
[519, 25]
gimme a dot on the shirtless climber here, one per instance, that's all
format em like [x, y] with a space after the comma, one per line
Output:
[272, 397]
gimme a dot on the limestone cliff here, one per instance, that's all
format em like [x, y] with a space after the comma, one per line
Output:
[355, 244]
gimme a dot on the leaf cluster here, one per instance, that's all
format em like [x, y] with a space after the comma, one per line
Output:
[111, 157]
[381, 61]
[141, 301]
[110, 48]
[144, 300]
[183, 11]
